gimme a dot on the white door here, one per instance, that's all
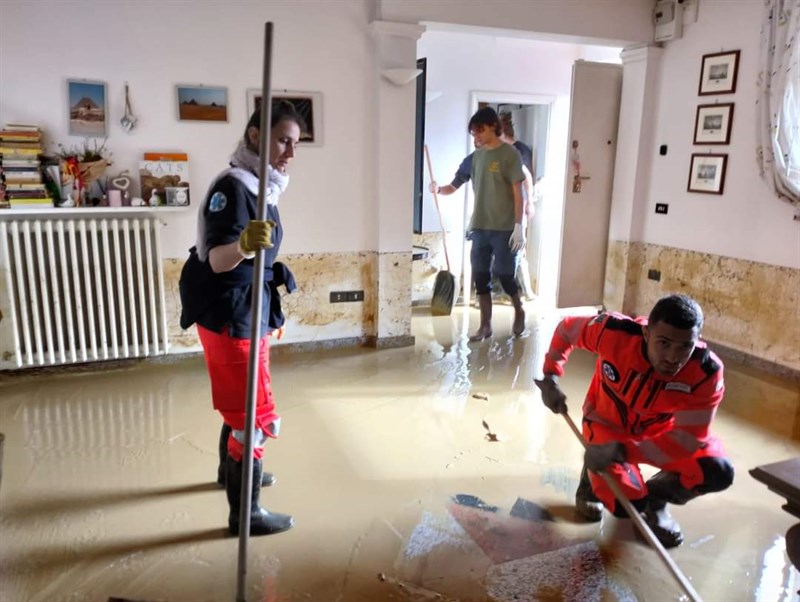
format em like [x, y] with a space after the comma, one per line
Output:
[592, 145]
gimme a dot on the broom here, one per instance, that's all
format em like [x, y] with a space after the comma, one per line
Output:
[444, 288]
[638, 521]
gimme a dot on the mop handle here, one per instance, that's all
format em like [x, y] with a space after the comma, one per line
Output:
[644, 529]
[438, 211]
[255, 327]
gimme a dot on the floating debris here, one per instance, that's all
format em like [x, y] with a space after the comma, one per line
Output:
[482, 396]
[490, 436]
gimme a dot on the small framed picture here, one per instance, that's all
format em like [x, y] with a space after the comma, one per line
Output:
[307, 104]
[713, 124]
[87, 108]
[718, 73]
[202, 103]
[707, 173]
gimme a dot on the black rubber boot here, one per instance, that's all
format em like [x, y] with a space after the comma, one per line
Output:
[663, 488]
[262, 522]
[267, 479]
[664, 527]
[586, 503]
[667, 486]
[485, 329]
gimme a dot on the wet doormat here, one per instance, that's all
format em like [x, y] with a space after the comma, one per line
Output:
[527, 531]
[572, 574]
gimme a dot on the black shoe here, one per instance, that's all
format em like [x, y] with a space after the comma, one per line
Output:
[262, 522]
[664, 527]
[267, 479]
[586, 503]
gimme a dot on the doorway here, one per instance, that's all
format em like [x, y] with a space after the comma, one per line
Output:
[530, 116]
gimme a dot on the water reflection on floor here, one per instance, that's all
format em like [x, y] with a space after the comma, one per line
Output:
[384, 460]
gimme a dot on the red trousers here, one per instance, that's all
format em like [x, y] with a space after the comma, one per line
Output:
[227, 361]
[629, 477]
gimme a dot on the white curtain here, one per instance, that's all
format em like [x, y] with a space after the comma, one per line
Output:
[778, 110]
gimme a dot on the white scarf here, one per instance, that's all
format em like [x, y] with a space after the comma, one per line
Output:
[246, 164]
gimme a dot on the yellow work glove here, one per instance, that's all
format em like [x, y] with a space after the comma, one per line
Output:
[256, 235]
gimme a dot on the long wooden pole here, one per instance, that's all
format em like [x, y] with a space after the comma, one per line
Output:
[643, 527]
[255, 328]
[438, 210]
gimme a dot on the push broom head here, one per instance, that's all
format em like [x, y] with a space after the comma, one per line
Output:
[444, 294]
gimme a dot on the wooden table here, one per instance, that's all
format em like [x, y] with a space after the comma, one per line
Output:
[784, 479]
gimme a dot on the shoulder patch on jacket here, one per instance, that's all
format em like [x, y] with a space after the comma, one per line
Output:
[623, 324]
[707, 361]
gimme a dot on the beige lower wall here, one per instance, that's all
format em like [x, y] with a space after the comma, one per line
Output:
[750, 307]
[310, 316]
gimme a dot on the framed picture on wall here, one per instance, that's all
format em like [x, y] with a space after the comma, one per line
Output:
[87, 108]
[707, 173]
[307, 104]
[202, 103]
[718, 73]
[713, 124]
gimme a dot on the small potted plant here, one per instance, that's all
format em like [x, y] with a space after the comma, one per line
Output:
[83, 172]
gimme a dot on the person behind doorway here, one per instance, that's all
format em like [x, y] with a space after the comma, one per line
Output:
[215, 287]
[463, 175]
[496, 226]
[652, 399]
[523, 274]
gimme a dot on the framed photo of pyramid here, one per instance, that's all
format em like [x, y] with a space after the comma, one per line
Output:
[87, 108]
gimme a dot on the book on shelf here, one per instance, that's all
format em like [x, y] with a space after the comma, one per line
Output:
[166, 157]
[27, 163]
[14, 151]
[43, 202]
[23, 127]
[25, 186]
[165, 182]
[32, 179]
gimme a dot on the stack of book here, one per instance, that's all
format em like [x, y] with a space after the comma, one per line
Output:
[21, 183]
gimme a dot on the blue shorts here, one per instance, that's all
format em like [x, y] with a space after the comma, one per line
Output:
[488, 244]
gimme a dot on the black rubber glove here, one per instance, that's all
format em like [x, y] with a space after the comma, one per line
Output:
[599, 457]
[552, 395]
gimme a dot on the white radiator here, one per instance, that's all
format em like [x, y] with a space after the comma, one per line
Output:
[83, 290]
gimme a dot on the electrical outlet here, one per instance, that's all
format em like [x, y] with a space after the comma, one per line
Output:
[346, 296]
[654, 275]
[662, 208]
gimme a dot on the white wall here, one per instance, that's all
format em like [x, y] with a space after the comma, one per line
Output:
[319, 46]
[461, 63]
[747, 221]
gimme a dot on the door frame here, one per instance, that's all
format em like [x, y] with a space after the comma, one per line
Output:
[491, 96]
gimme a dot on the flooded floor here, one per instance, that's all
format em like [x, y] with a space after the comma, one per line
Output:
[108, 484]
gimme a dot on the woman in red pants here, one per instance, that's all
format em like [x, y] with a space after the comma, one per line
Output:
[216, 287]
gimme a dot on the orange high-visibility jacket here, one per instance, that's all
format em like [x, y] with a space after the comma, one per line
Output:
[659, 419]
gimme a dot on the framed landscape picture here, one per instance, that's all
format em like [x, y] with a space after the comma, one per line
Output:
[87, 108]
[307, 104]
[713, 124]
[707, 173]
[718, 73]
[202, 103]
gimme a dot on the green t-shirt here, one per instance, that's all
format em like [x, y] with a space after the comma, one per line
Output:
[494, 172]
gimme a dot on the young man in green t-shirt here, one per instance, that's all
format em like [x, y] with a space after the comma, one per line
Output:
[495, 228]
